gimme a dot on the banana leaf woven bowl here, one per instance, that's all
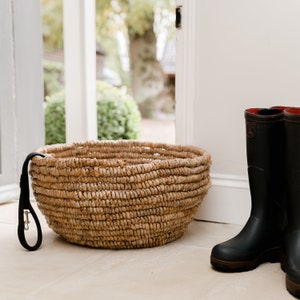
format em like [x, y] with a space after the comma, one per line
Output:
[120, 194]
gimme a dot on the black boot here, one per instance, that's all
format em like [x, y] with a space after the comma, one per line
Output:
[292, 239]
[261, 238]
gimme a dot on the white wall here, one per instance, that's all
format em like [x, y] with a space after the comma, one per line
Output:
[232, 55]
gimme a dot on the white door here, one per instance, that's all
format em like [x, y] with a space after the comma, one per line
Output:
[232, 55]
[21, 90]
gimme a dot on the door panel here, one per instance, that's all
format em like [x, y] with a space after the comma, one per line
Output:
[21, 90]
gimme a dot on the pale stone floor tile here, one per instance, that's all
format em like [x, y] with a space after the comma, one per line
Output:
[179, 270]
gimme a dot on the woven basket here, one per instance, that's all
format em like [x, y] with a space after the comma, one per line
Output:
[120, 194]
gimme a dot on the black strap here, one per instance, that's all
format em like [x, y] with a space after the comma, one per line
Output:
[25, 207]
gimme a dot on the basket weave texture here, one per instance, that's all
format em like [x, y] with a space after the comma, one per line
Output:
[120, 194]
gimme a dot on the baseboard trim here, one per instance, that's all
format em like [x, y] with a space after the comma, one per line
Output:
[228, 200]
[233, 181]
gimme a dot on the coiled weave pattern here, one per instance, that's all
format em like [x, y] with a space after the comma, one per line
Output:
[120, 194]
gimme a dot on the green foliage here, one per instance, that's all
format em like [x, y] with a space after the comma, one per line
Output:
[53, 73]
[52, 15]
[136, 15]
[55, 121]
[117, 113]
[131, 17]
[118, 116]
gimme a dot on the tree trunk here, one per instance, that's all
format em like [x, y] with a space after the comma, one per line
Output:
[147, 76]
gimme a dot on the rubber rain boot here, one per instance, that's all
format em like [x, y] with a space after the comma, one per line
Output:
[261, 238]
[292, 239]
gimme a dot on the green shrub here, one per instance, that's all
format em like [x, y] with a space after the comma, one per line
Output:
[118, 116]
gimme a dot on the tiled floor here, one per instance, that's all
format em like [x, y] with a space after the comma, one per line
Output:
[179, 270]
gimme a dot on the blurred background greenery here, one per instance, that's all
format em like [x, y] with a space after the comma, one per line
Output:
[135, 42]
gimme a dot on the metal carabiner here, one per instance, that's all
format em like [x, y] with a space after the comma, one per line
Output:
[26, 219]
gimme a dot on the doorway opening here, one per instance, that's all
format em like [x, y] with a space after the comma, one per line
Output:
[135, 53]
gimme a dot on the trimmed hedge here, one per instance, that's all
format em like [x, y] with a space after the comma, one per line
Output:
[118, 116]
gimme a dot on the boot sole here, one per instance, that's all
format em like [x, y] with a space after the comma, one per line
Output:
[293, 287]
[271, 255]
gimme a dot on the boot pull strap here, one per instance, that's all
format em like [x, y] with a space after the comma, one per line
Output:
[25, 207]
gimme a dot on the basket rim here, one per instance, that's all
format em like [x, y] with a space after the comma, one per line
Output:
[201, 156]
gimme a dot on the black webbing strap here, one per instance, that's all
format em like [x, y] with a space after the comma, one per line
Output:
[25, 207]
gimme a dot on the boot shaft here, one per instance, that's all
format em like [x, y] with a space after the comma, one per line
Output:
[292, 164]
[265, 158]
[292, 132]
[265, 137]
